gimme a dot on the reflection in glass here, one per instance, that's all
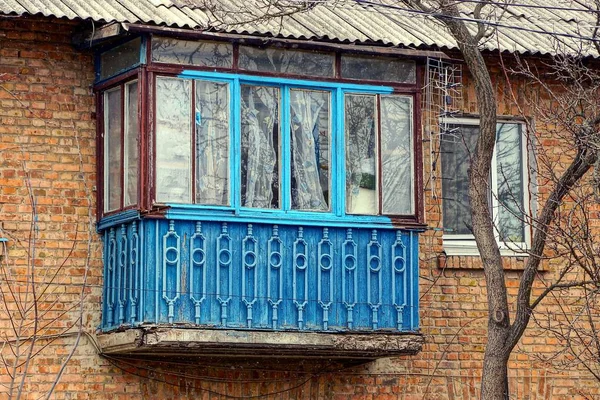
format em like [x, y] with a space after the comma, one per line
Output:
[287, 61]
[120, 58]
[456, 156]
[173, 134]
[192, 52]
[131, 152]
[509, 164]
[212, 143]
[378, 69]
[361, 153]
[509, 181]
[112, 150]
[260, 146]
[309, 127]
[397, 155]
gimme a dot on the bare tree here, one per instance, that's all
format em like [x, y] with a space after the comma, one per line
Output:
[570, 118]
[504, 334]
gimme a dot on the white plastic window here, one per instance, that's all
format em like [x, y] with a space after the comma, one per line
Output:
[509, 187]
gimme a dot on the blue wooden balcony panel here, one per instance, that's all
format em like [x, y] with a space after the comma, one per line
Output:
[260, 276]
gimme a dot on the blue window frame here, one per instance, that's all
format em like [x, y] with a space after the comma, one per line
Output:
[277, 104]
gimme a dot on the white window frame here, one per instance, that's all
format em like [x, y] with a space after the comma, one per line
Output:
[465, 245]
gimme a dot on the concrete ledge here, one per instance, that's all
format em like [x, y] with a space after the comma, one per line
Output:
[162, 341]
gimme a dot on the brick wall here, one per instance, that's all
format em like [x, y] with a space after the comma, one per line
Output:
[47, 198]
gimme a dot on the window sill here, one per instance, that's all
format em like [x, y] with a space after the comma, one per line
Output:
[306, 218]
[470, 249]
[465, 245]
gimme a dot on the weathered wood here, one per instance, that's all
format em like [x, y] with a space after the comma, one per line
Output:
[164, 340]
[97, 35]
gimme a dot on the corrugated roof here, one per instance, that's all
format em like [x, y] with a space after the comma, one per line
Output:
[525, 26]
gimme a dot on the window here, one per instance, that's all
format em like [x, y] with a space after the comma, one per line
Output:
[119, 58]
[246, 130]
[509, 192]
[121, 147]
[282, 167]
[365, 162]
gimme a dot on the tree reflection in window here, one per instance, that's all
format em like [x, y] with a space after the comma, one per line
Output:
[361, 153]
[199, 53]
[212, 143]
[507, 183]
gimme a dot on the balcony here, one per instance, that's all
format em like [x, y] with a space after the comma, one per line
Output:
[231, 287]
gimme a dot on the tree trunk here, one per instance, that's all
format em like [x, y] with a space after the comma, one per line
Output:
[494, 381]
[494, 385]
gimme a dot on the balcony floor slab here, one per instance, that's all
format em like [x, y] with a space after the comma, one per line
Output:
[165, 341]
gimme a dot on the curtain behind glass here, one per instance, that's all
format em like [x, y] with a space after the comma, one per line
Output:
[212, 143]
[260, 146]
[173, 140]
[310, 149]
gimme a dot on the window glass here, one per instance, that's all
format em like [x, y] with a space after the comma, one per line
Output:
[509, 166]
[378, 69]
[112, 149]
[131, 151]
[456, 153]
[361, 154]
[192, 52]
[260, 162]
[397, 155]
[120, 58]
[286, 61]
[212, 143]
[173, 139]
[506, 188]
[310, 136]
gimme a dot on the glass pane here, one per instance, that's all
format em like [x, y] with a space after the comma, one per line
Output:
[397, 166]
[286, 61]
[310, 132]
[173, 140]
[361, 155]
[192, 52]
[112, 150]
[456, 155]
[131, 144]
[212, 143]
[509, 161]
[378, 69]
[120, 58]
[260, 146]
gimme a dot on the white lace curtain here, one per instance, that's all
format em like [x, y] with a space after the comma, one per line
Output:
[308, 149]
[259, 116]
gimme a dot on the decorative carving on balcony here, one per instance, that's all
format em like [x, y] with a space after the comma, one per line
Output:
[197, 270]
[213, 274]
[171, 287]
